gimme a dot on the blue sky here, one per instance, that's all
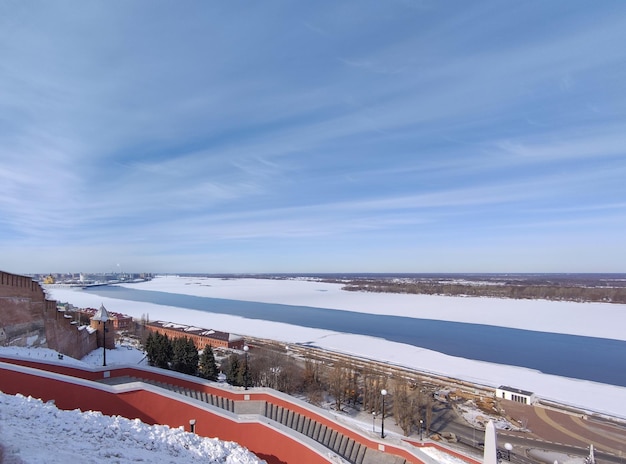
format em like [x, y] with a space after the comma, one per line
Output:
[330, 136]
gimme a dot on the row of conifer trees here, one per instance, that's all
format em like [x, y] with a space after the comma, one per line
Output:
[180, 354]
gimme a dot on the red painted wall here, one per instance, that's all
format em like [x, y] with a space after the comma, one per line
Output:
[153, 408]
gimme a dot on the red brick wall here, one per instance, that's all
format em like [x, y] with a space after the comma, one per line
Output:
[199, 341]
[27, 318]
[66, 338]
[110, 333]
[22, 311]
[20, 286]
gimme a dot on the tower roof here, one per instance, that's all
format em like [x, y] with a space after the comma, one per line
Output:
[101, 315]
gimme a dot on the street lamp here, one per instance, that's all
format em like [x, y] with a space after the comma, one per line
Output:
[192, 425]
[102, 315]
[508, 448]
[373, 421]
[383, 392]
[245, 374]
[421, 429]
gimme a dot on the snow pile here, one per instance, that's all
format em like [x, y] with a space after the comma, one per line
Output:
[122, 354]
[32, 432]
[441, 457]
[478, 419]
[549, 457]
[40, 354]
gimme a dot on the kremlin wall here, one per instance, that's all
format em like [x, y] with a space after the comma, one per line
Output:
[28, 318]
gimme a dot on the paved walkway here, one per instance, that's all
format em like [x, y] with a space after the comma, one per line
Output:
[569, 429]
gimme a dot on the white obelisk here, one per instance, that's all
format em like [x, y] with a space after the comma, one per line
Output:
[490, 455]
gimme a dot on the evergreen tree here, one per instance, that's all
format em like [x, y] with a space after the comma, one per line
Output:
[150, 348]
[184, 356]
[160, 353]
[234, 371]
[208, 366]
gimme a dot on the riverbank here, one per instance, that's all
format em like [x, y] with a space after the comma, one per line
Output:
[583, 318]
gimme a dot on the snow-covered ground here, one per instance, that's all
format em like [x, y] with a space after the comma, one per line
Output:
[591, 319]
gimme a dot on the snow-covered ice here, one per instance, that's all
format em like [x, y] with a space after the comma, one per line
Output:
[591, 319]
[564, 317]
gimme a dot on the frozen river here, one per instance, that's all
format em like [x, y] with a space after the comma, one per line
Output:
[574, 356]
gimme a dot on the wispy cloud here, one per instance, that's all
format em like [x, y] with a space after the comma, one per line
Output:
[156, 130]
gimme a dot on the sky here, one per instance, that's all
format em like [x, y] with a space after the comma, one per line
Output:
[398, 136]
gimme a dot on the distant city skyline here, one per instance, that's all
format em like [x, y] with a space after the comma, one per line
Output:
[386, 137]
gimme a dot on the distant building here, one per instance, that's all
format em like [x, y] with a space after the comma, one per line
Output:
[102, 321]
[515, 394]
[200, 337]
[119, 321]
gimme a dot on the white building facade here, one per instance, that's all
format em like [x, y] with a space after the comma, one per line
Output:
[515, 394]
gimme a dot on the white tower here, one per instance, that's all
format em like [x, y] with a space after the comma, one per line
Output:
[490, 455]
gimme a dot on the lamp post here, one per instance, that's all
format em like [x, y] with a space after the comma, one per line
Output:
[192, 425]
[104, 343]
[383, 392]
[508, 448]
[102, 315]
[421, 429]
[245, 373]
[373, 421]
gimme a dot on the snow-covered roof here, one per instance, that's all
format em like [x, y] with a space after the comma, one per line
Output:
[193, 330]
[101, 315]
[517, 391]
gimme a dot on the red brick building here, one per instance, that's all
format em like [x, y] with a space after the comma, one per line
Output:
[118, 321]
[200, 337]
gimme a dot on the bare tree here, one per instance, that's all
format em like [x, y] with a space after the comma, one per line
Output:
[429, 404]
[338, 383]
[372, 384]
[312, 384]
[406, 405]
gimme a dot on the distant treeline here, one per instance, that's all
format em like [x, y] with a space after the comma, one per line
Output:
[545, 292]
